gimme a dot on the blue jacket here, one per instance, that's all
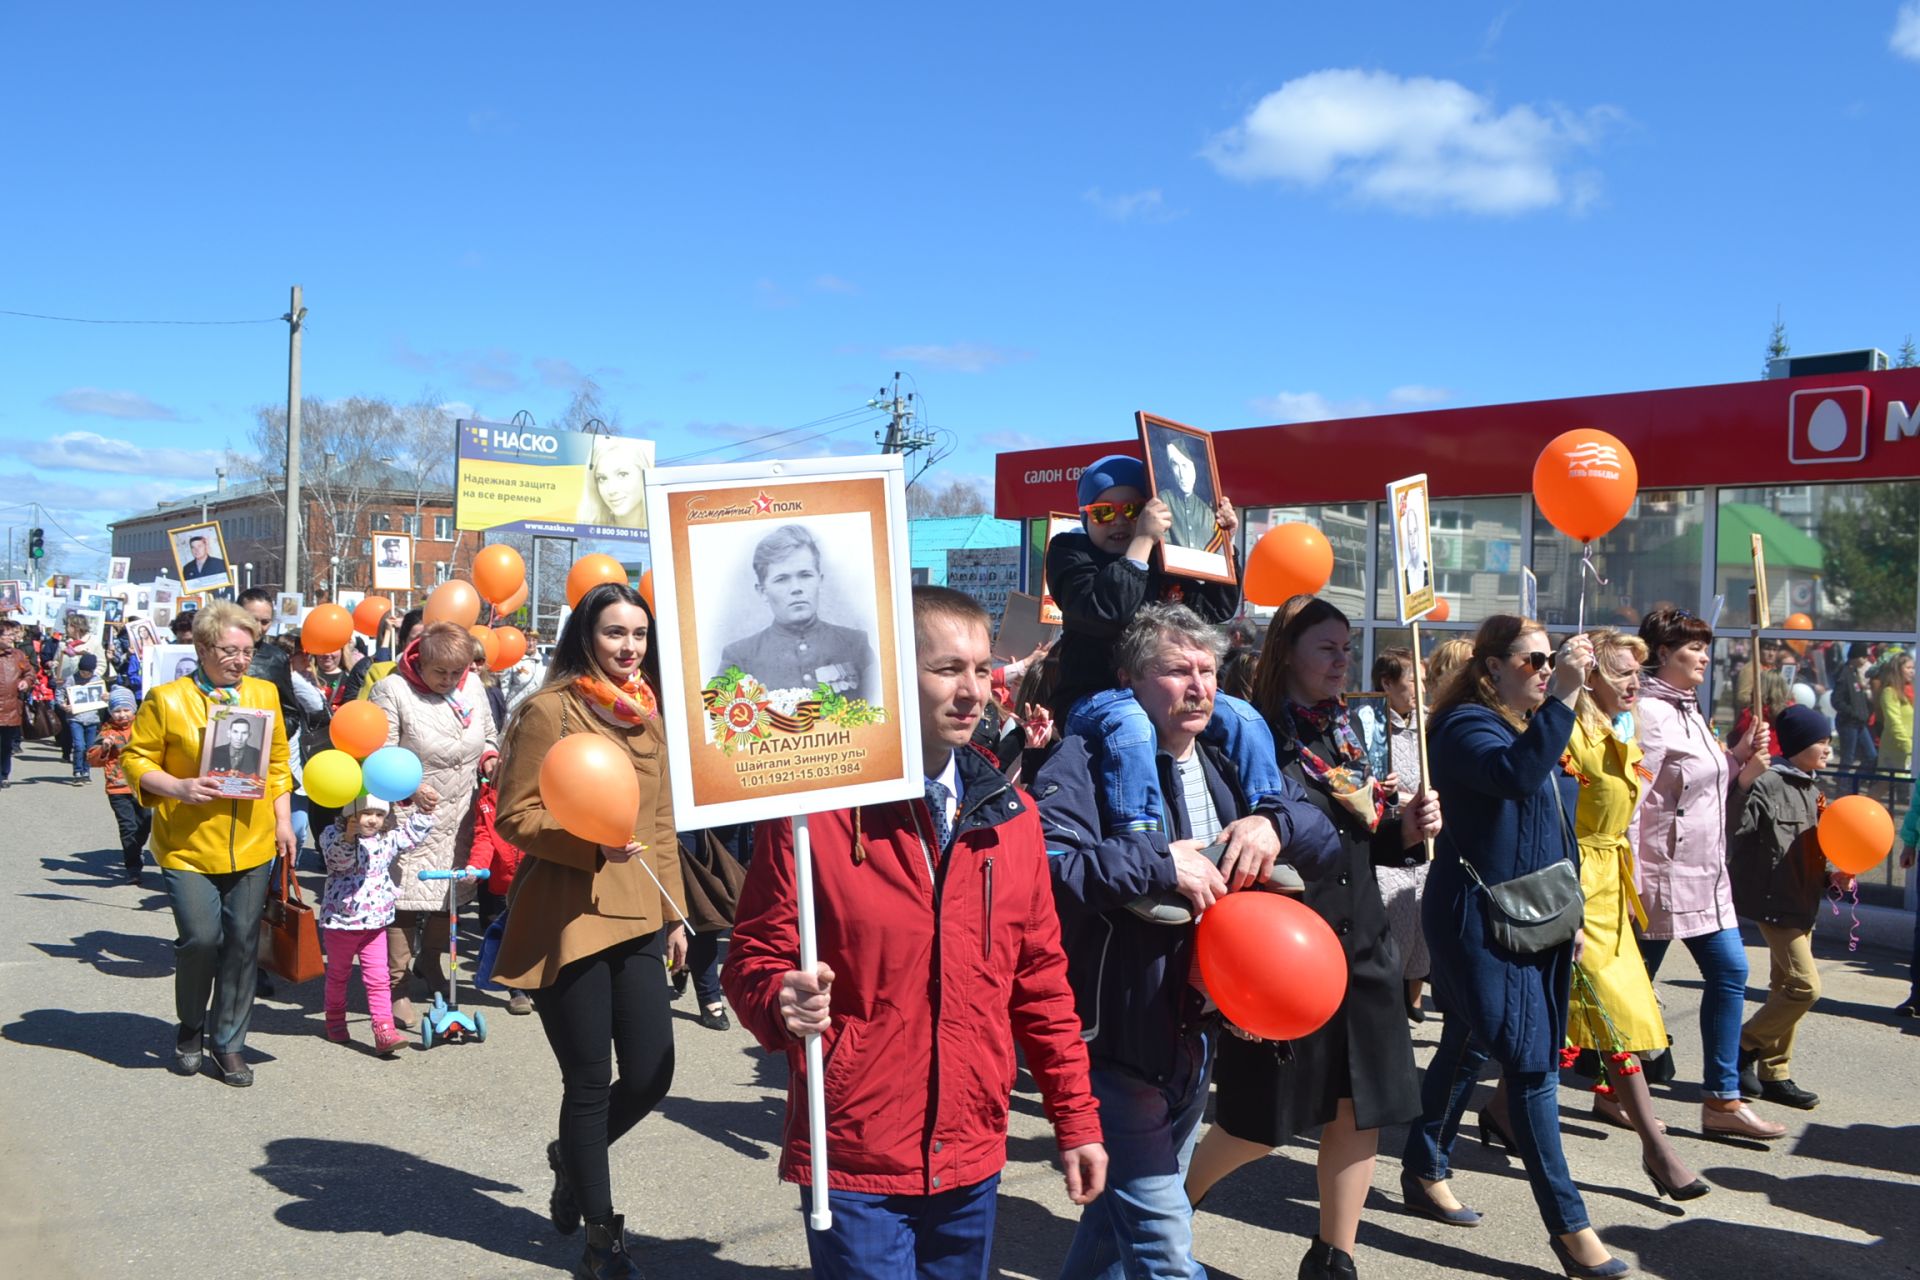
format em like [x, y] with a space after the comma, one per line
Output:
[1496, 790]
[1130, 976]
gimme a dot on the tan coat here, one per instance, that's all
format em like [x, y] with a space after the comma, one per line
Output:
[450, 758]
[569, 902]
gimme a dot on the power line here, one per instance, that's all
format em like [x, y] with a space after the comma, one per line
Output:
[788, 444]
[35, 315]
[859, 412]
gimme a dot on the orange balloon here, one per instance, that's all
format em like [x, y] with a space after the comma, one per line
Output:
[1440, 612]
[489, 644]
[1584, 482]
[454, 601]
[1273, 965]
[589, 572]
[646, 587]
[368, 613]
[1798, 622]
[326, 630]
[1289, 560]
[589, 786]
[359, 728]
[512, 603]
[498, 571]
[1856, 832]
[513, 647]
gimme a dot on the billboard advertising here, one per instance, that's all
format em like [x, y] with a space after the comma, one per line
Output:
[562, 484]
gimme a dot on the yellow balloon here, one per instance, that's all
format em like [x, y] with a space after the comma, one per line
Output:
[332, 779]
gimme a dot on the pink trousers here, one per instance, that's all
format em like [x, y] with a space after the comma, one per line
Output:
[370, 945]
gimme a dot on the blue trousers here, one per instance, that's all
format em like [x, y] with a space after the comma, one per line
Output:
[1121, 749]
[83, 736]
[214, 958]
[946, 1236]
[1533, 1111]
[1141, 1227]
[1723, 1001]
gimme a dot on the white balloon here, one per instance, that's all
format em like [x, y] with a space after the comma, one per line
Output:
[1826, 704]
[1803, 694]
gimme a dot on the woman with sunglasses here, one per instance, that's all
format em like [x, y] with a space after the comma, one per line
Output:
[1498, 732]
[1680, 852]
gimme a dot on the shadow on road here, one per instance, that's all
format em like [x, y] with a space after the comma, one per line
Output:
[344, 1188]
[118, 955]
[1867, 1146]
[130, 1040]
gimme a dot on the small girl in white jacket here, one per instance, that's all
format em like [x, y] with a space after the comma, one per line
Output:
[357, 906]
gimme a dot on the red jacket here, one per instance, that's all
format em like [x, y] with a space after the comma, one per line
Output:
[490, 850]
[917, 1099]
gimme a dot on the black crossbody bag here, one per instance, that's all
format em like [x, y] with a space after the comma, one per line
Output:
[1540, 910]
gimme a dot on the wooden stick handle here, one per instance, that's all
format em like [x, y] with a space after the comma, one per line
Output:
[1419, 722]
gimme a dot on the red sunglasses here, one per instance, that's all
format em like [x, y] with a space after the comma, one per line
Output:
[1104, 512]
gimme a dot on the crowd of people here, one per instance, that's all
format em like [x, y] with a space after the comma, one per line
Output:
[1082, 809]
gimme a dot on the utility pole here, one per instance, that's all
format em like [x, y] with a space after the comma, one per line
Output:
[899, 437]
[295, 317]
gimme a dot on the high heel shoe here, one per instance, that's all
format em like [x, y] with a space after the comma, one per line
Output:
[1581, 1271]
[1692, 1191]
[1418, 1199]
[1493, 1134]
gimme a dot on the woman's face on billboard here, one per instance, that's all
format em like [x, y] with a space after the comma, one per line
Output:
[618, 476]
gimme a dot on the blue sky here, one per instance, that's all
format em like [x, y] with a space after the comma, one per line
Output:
[745, 218]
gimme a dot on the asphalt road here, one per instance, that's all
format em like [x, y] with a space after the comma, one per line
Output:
[341, 1164]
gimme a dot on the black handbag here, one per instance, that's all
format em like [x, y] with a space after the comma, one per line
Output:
[1541, 910]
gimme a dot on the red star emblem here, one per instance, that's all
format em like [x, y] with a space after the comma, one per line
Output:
[763, 503]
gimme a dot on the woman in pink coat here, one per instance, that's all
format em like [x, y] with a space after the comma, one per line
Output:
[1680, 848]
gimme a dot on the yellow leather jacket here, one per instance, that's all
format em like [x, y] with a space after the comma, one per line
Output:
[227, 835]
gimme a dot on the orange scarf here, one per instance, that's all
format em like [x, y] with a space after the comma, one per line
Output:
[623, 705]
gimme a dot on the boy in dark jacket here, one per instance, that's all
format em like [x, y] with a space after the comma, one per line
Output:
[1779, 877]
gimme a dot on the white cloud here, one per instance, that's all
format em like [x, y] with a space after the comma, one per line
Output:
[95, 402]
[556, 372]
[89, 451]
[1313, 406]
[1905, 39]
[957, 357]
[1415, 144]
[1149, 205]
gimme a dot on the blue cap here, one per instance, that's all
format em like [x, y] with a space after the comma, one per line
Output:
[1111, 472]
[120, 698]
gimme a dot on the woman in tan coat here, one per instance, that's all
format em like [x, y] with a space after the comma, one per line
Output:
[591, 929]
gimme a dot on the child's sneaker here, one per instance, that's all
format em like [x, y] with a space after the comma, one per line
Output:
[337, 1028]
[387, 1038]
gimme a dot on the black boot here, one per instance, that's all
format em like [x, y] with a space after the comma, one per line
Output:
[606, 1256]
[1325, 1261]
[562, 1209]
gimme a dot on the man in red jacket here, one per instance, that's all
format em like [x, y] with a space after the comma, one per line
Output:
[939, 951]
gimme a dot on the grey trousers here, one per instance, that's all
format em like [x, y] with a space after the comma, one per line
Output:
[218, 917]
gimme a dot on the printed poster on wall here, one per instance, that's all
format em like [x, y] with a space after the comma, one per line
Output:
[987, 574]
[786, 636]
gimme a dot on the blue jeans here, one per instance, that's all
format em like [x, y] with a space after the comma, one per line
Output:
[1533, 1111]
[1723, 1002]
[1121, 750]
[218, 917]
[1857, 750]
[84, 736]
[1141, 1227]
[945, 1236]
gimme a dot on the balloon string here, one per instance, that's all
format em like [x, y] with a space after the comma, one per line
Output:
[1586, 569]
[1833, 900]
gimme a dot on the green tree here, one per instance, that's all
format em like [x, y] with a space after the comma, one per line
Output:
[1871, 544]
[1776, 343]
[1908, 357]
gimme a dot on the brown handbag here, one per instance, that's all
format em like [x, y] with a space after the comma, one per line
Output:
[712, 879]
[290, 932]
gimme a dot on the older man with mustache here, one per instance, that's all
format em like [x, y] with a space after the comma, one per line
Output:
[1150, 1029]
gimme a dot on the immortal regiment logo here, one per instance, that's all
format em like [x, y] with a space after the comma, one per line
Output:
[761, 504]
[1593, 460]
[743, 714]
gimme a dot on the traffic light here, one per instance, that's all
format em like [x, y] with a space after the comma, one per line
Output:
[36, 544]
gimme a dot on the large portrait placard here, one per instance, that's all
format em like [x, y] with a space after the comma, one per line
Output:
[786, 637]
[1414, 595]
[1182, 472]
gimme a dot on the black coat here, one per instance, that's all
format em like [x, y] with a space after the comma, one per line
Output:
[1098, 593]
[1365, 1051]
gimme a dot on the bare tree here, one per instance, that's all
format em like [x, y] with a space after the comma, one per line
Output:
[955, 498]
[588, 405]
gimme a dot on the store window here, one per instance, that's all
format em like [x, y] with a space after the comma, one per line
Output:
[1841, 554]
[1476, 557]
[1345, 528]
[1651, 558]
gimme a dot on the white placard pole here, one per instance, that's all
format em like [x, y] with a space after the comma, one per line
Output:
[821, 1219]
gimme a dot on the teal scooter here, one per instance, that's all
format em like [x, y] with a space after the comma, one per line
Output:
[446, 1022]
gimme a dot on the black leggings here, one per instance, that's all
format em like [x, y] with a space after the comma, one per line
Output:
[607, 1006]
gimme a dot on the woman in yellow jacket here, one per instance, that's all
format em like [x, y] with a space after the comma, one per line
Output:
[215, 854]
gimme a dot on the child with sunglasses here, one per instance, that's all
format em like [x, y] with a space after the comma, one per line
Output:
[1099, 578]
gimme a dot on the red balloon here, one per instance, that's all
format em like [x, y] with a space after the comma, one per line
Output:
[1272, 964]
[1584, 482]
[1289, 560]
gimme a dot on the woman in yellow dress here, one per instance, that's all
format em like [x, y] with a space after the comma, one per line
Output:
[1613, 1011]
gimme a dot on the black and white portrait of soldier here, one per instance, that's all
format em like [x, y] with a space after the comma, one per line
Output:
[1186, 489]
[798, 648]
[235, 748]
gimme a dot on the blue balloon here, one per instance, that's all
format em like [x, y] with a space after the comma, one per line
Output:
[391, 773]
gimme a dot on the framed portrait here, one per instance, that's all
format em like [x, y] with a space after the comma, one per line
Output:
[392, 562]
[87, 697]
[1058, 522]
[1181, 472]
[162, 615]
[163, 591]
[784, 591]
[1413, 588]
[77, 592]
[287, 608]
[118, 567]
[10, 593]
[113, 608]
[1021, 628]
[142, 637]
[1529, 595]
[200, 554]
[168, 662]
[233, 750]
